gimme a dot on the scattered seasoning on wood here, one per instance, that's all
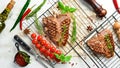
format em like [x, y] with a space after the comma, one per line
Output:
[27, 31]
[89, 28]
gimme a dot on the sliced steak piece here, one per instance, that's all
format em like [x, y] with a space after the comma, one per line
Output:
[102, 43]
[52, 28]
[57, 28]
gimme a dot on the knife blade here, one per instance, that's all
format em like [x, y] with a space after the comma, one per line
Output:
[31, 51]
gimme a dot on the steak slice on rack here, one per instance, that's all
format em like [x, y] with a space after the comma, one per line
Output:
[102, 43]
[57, 28]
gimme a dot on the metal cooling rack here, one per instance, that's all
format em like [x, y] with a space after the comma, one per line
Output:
[79, 49]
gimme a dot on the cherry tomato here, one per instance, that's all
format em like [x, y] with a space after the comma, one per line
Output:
[42, 49]
[47, 46]
[52, 56]
[58, 52]
[57, 60]
[38, 45]
[33, 35]
[52, 49]
[47, 53]
[34, 41]
[43, 42]
[39, 38]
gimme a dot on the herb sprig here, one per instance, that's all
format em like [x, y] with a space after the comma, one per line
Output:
[63, 58]
[109, 45]
[66, 9]
[74, 31]
[38, 26]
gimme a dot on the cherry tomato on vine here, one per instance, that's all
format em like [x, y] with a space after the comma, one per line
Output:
[52, 56]
[52, 49]
[47, 53]
[39, 38]
[43, 42]
[47, 46]
[38, 45]
[33, 35]
[34, 41]
[42, 49]
[58, 52]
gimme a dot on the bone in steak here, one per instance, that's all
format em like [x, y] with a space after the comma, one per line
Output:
[57, 28]
[102, 43]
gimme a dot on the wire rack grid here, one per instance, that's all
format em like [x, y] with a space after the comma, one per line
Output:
[84, 18]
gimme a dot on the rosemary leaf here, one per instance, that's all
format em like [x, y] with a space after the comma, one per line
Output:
[38, 26]
[74, 31]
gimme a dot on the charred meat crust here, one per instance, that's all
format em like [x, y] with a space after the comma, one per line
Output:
[99, 43]
[54, 28]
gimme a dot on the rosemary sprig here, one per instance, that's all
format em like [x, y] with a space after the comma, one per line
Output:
[63, 33]
[109, 45]
[74, 31]
[66, 9]
[38, 26]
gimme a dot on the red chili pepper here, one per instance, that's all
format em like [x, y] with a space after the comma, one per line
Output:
[24, 15]
[116, 6]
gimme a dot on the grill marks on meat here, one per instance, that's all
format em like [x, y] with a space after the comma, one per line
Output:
[52, 27]
[57, 28]
[100, 45]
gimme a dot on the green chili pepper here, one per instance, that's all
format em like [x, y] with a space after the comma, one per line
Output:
[21, 13]
[36, 10]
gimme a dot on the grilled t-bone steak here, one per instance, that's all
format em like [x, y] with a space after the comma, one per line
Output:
[57, 28]
[102, 43]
